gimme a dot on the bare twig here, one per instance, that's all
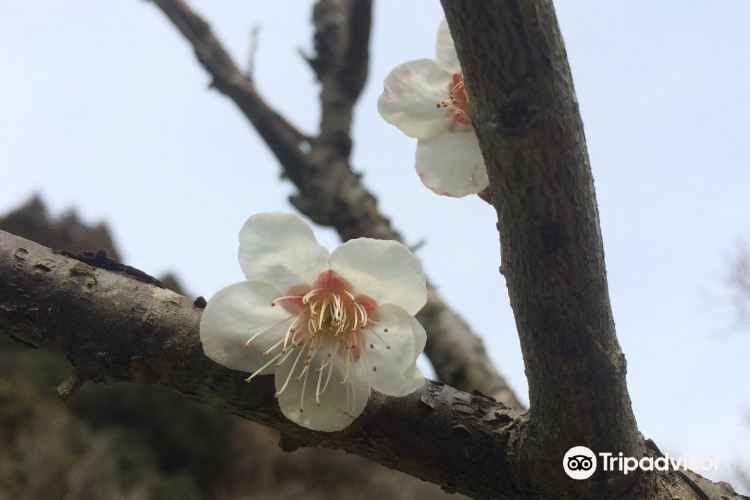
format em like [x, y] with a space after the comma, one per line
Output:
[329, 191]
[252, 51]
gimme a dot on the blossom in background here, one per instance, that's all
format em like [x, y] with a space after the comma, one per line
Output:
[330, 326]
[427, 100]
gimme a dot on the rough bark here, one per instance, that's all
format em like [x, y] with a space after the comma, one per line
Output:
[330, 192]
[115, 323]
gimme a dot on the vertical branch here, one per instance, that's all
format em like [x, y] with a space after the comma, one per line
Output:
[342, 36]
[526, 117]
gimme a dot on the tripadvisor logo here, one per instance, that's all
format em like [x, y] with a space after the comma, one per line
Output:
[580, 463]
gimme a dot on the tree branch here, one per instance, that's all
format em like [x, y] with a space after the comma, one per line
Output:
[526, 116]
[115, 323]
[117, 326]
[280, 135]
[330, 192]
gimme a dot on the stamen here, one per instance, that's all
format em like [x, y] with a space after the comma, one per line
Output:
[322, 314]
[458, 100]
[302, 392]
[257, 372]
[330, 370]
[258, 334]
[289, 353]
[292, 330]
[317, 386]
[302, 373]
[306, 298]
[291, 372]
[285, 297]
[346, 371]
[277, 344]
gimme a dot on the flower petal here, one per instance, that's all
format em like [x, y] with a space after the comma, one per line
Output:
[385, 271]
[410, 96]
[281, 250]
[451, 164]
[388, 350]
[234, 315]
[415, 379]
[446, 49]
[339, 403]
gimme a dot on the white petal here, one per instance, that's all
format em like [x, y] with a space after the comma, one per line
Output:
[415, 379]
[410, 96]
[388, 350]
[385, 271]
[451, 164]
[281, 250]
[234, 315]
[446, 49]
[339, 404]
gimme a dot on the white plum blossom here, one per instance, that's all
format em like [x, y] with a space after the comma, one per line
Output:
[427, 100]
[330, 326]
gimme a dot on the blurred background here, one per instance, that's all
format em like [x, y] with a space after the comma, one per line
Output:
[110, 138]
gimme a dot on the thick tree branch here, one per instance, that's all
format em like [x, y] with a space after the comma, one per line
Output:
[526, 116]
[115, 323]
[118, 326]
[330, 192]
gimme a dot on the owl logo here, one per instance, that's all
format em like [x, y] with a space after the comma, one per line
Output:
[579, 463]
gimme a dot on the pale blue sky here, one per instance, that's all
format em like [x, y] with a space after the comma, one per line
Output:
[103, 107]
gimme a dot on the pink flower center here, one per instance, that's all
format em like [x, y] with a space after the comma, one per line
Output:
[458, 100]
[330, 309]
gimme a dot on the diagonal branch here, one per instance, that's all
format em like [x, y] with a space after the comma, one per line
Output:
[280, 135]
[329, 191]
[121, 326]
